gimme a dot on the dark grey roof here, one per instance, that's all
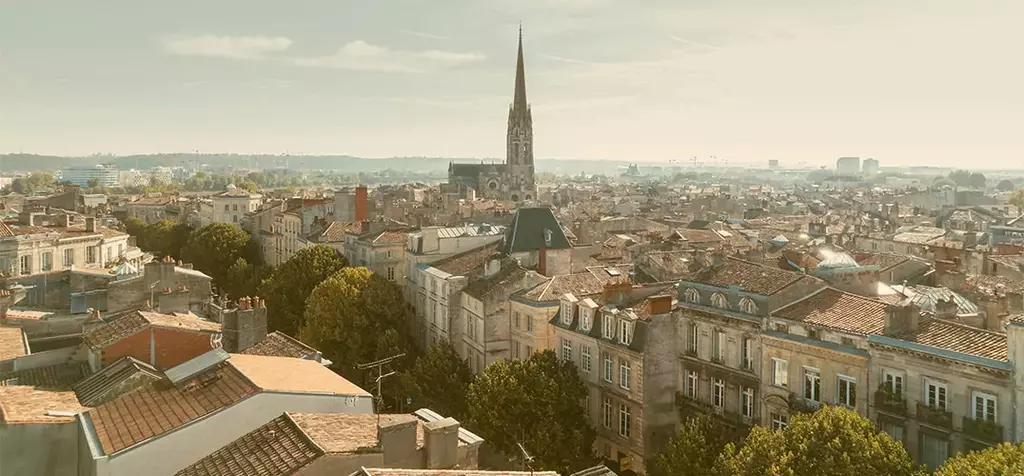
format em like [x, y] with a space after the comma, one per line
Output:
[196, 365]
[93, 390]
[530, 230]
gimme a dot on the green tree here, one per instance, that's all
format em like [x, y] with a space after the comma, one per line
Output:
[354, 317]
[693, 450]
[1017, 199]
[1000, 460]
[536, 403]
[214, 248]
[287, 290]
[961, 177]
[832, 441]
[977, 180]
[1005, 185]
[439, 380]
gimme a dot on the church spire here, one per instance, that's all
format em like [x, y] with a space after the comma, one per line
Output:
[519, 103]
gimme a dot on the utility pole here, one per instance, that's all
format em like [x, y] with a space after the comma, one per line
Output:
[379, 364]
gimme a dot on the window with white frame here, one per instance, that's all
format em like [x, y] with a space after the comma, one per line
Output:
[692, 382]
[779, 421]
[26, 264]
[692, 296]
[391, 273]
[566, 350]
[747, 305]
[780, 373]
[718, 392]
[625, 421]
[624, 373]
[608, 327]
[693, 338]
[812, 384]
[625, 332]
[566, 313]
[585, 318]
[893, 381]
[847, 394]
[718, 346]
[747, 353]
[606, 409]
[984, 406]
[48, 261]
[529, 323]
[607, 368]
[718, 300]
[747, 402]
[935, 394]
[69, 257]
[585, 358]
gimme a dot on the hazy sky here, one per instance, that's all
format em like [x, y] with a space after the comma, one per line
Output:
[906, 81]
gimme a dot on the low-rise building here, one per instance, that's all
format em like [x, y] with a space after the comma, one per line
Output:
[231, 205]
[36, 243]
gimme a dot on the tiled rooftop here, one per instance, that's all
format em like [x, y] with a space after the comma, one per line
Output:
[279, 344]
[337, 231]
[835, 309]
[27, 405]
[137, 321]
[448, 472]
[159, 408]
[12, 343]
[468, 263]
[278, 448]
[340, 432]
[580, 284]
[59, 376]
[112, 380]
[285, 374]
[884, 261]
[752, 277]
[959, 338]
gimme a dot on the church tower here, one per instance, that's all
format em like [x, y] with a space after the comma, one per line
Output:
[519, 153]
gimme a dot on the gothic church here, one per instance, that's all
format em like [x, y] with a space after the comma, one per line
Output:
[512, 180]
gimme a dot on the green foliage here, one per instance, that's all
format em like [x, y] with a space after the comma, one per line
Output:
[244, 278]
[997, 461]
[965, 178]
[1017, 199]
[1005, 185]
[34, 182]
[693, 450]
[439, 380]
[214, 248]
[832, 441]
[536, 403]
[354, 317]
[287, 290]
[163, 238]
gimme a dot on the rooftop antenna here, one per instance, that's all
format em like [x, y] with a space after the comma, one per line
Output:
[380, 377]
[527, 459]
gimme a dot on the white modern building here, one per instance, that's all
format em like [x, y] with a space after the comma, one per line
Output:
[103, 175]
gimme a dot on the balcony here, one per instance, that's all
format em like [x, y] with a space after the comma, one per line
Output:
[690, 353]
[934, 416]
[889, 402]
[984, 430]
[803, 405]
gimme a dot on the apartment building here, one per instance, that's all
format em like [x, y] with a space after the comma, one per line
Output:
[613, 336]
[39, 243]
[231, 205]
[382, 252]
[722, 304]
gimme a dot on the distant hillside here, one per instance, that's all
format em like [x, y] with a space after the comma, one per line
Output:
[37, 163]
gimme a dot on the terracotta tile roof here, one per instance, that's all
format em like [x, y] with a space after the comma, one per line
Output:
[285, 374]
[884, 261]
[340, 432]
[835, 309]
[752, 277]
[117, 378]
[12, 343]
[959, 338]
[59, 376]
[386, 237]
[21, 404]
[159, 408]
[279, 344]
[470, 262]
[580, 284]
[152, 201]
[132, 323]
[278, 448]
[336, 231]
[5, 231]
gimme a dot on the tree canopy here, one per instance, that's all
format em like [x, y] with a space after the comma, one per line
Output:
[694, 449]
[1005, 185]
[832, 441]
[215, 248]
[354, 317]
[163, 238]
[996, 461]
[1017, 199]
[287, 290]
[536, 403]
[439, 380]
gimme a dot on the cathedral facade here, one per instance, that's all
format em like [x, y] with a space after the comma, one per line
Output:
[512, 180]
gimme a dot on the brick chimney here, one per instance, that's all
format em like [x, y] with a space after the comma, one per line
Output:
[441, 443]
[361, 206]
[617, 292]
[244, 326]
[900, 318]
[90, 224]
[660, 304]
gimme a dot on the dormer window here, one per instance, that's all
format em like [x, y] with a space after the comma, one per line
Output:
[692, 295]
[547, 237]
[625, 332]
[718, 300]
[566, 313]
[747, 305]
[609, 327]
[584, 318]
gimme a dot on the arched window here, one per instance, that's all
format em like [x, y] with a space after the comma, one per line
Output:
[747, 305]
[692, 295]
[718, 300]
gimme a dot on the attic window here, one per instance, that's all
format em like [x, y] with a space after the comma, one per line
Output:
[613, 272]
[547, 237]
[718, 300]
[692, 295]
[625, 332]
[747, 305]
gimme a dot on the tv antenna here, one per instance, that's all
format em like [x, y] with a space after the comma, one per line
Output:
[527, 459]
[379, 364]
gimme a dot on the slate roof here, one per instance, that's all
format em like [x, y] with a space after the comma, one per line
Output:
[959, 338]
[279, 344]
[835, 309]
[527, 232]
[752, 277]
[278, 448]
[58, 376]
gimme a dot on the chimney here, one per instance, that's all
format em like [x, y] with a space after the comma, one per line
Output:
[65, 220]
[27, 218]
[616, 292]
[718, 258]
[946, 308]
[970, 240]
[660, 304]
[244, 326]
[542, 261]
[361, 203]
[441, 442]
[900, 318]
[90, 224]
[493, 265]
[397, 437]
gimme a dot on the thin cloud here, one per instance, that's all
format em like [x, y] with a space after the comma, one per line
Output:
[424, 35]
[361, 56]
[232, 47]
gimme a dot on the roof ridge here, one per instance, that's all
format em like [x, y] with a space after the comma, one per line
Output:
[288, 417]
[965, 326]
